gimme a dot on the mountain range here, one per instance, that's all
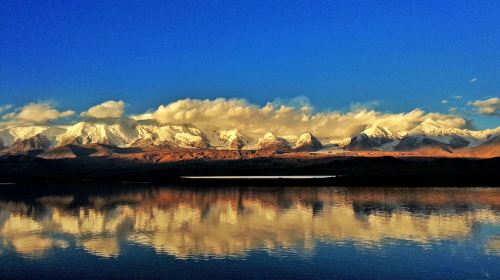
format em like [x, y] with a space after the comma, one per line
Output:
[51, 140]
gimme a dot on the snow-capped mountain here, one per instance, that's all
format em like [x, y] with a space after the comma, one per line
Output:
[8, 135]
[129, 133]
[272, 142]
[307, 142]
[373, 137]
[32, 144]
[425, 134]
[455, 137]
[232, 139]
[97, 133]
[169, 135]
[115, 134]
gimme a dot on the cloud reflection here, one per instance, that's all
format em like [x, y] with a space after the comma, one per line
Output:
[189, 223]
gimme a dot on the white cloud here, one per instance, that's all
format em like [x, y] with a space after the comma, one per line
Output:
[283, 120]
[6, 107]
[108, 109]
[490, 107]
[356, 106]
[37, 113]
[444, 101]
[295, 102]
[457, 97]
[473, 80]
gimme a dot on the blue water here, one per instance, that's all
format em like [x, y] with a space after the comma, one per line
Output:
[159, 232]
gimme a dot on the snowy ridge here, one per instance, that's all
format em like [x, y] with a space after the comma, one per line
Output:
[129, 133]
[270, 142]
[448, 134]
[427, 133]
[373, 136]
[10, 134]
[170, 135]
[232, 139]
[92, 133]
[307, 142]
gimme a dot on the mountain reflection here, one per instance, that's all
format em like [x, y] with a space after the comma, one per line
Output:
[230, 222]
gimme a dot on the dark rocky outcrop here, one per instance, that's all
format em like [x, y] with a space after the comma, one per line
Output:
[365, 142]
[458, 142]
[410, 143]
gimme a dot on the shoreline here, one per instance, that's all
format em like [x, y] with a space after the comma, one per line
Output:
[333, 170]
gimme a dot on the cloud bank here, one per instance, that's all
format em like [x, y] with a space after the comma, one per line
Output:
[284, 120]
[489, 107]
[108, 109]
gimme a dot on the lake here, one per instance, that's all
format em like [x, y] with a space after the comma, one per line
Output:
[100, 231]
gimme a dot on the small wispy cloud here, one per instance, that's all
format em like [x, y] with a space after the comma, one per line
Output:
[6, 107]
[489, 107]
[473, 80]
[444, 101]
[457, 97]
[368, 105]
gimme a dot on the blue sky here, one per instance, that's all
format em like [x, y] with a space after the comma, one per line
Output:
[401, 54]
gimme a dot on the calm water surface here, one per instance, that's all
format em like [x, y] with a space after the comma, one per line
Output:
[158, 232]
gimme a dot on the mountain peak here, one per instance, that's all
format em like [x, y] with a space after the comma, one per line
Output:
[96, 133]
[307, 142]
[377, 131]
[36, 143]
[126, 133]
[232, 139]
[272, 142]
[372, 137]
